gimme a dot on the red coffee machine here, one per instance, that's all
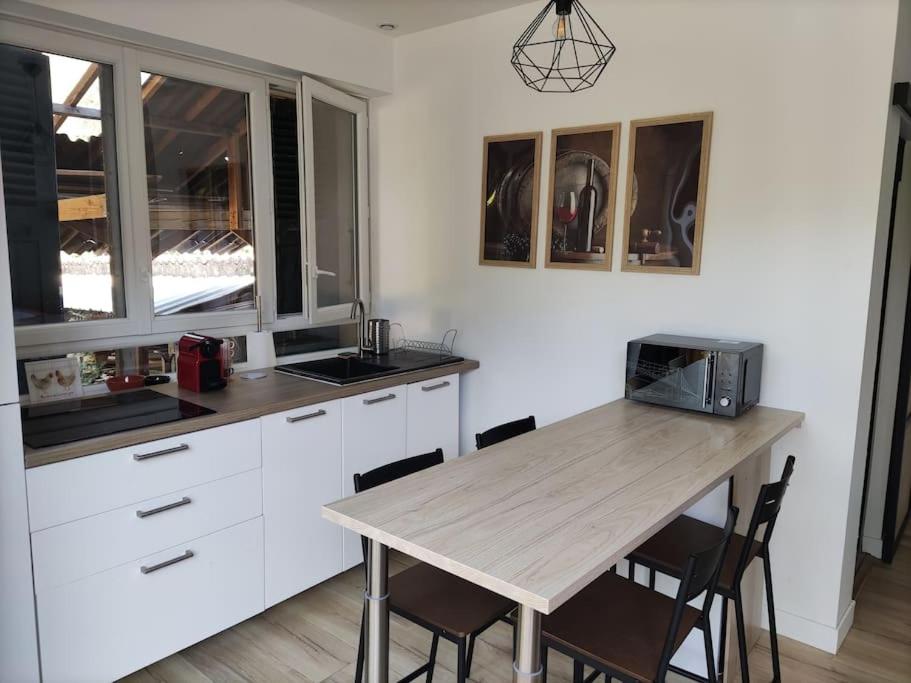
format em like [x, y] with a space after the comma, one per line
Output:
[200, 363]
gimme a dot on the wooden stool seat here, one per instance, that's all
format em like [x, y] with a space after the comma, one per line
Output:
[444, 601]
[620, 625]
[668, 550]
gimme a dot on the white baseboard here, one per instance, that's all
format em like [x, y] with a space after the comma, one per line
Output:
[813, 633]
[873, 546]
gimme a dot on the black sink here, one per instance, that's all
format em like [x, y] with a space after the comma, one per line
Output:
[351, 369]
[338, 370]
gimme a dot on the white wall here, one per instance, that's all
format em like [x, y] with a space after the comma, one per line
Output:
[797, 155]
[277, 32]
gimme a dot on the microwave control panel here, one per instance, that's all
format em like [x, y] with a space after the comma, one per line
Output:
[727, 377]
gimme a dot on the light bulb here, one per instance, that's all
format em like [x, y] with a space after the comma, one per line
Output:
[559, 27]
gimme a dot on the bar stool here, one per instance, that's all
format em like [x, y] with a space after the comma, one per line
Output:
[644, 628]
[666, 552]
[504, 431]
[445, 605]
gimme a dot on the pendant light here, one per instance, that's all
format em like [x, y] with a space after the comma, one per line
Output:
[562, 50]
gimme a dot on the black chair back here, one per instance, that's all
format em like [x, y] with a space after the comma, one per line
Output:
[504, 431]
[700, 574]
[391, 472]
[768, 505]
[704, 566]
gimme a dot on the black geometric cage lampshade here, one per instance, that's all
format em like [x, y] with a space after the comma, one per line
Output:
[562, 50]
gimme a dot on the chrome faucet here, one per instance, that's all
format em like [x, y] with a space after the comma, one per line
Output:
[363, 343]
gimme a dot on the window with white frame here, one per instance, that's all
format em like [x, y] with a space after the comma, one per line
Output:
[149, 194]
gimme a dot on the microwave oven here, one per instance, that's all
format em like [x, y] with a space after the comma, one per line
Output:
[715, 376]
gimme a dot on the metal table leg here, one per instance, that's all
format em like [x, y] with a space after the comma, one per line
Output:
[527, 667]
[376, 645]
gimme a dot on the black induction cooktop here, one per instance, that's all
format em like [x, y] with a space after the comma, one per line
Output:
[52, 424]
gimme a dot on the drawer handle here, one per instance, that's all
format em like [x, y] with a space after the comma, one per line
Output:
[163, 451]
[380, 399]
[308, 416]
[434, 387]
[170, 506]
[167, 563]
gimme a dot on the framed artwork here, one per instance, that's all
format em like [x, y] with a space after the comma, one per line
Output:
[582, 196]
[51, 380]
[509, 200]
[665, 193]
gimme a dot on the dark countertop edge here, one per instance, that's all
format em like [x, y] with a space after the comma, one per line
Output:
[78, 449]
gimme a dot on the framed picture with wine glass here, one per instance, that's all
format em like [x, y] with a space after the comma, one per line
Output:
[666, 181]
[582, 196]
[509, 199]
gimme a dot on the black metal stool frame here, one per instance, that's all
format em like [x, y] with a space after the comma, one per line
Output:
[691, 586]
[768, 504]
[465, 645]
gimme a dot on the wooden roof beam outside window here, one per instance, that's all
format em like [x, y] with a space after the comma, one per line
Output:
[79, 90]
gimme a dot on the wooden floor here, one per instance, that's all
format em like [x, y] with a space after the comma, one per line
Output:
[313, 637]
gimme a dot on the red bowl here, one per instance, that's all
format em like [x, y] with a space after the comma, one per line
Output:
[125, 382]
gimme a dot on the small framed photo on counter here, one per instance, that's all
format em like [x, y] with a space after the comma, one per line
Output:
[582, 196]
[665, 194]
[53, 380]
[509, 199]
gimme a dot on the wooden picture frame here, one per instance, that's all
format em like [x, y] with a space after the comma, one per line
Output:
[510, 180]
[591, 145]
[661, 232]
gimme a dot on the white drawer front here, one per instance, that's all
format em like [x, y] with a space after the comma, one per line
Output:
[373, 434]
[302, 470]
[82, 487]
[433, 416]
[73, 551]
[113, 623]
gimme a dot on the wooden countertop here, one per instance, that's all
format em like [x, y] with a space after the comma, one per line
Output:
[240, 400]
[538, 517]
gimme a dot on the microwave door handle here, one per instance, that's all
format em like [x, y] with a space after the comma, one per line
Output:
[709, 379]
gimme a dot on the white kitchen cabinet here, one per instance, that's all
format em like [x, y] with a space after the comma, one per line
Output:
[433, 416]
[302, 470]
[80, 487]
[373, 434]
[69, 552]
[18, 642]
[117, 621]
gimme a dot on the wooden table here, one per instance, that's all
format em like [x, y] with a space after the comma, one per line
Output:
[538, 517]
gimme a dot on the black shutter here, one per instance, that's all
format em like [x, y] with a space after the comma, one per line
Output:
[30, 185]
[286, 181]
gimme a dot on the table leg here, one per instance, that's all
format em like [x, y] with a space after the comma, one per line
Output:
[527, 667]
[376, 641]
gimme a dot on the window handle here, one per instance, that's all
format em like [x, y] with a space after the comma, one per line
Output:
[320, 271]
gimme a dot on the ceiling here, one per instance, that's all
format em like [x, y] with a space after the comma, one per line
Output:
[408, 15]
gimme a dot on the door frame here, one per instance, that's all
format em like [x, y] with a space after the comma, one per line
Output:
[896, 438]
[893, 481]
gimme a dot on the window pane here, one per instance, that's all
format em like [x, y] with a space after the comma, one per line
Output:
[60, 182]
[200, 202]
[335, 187]
[286, 184]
